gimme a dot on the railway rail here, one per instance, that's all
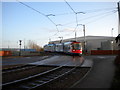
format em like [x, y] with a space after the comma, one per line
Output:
[24, 72]
[18, 68]
[26, 80]
[42, 79]
[41, 76]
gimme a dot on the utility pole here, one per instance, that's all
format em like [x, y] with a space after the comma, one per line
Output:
[8, 44]
[20, 47]
[61, 39]
[117, 59]
[75, 36]
[84, 32]
[49, 40]
[84, 38]
[24, 44]
[112, 32]
[119, 17]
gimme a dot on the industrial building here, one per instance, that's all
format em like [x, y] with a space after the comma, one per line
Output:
[94, 42]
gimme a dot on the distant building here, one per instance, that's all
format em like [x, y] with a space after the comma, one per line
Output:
[16, 49]
[95, 42]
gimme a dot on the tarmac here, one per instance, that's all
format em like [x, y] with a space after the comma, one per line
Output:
[65, 61]
[100, 76]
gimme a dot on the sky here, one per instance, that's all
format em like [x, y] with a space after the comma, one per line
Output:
[31, 22]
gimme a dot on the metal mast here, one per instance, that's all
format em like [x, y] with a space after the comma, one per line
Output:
[119, 17]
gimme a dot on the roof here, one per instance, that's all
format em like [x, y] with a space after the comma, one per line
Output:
[81, 39]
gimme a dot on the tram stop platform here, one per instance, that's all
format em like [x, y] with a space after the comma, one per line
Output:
[65, 61]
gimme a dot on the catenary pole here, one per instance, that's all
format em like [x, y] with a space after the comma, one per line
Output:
[84, 38]
[119, 17]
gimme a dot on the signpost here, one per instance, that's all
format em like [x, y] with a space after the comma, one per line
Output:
[20, 47]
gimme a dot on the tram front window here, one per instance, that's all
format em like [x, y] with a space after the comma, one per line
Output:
[76, 46]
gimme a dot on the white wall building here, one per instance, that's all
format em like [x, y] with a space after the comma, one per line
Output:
[95, 42]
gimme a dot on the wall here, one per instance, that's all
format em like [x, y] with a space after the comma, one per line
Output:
[106, 45]
[104, 52]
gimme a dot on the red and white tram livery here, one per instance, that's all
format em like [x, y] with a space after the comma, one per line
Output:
[66, 47]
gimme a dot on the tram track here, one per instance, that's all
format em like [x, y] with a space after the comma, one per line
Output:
[11, 68]
[20, 73]
[17, 68]
[18, 82]
[44, 79]
[44, 76]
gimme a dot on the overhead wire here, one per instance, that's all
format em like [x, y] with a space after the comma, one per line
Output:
[59, 14]
[47, 16]
[70, 6]
[31, 7]
[108, 14]
[86, 11]
[35, 10]
[72, 10]
[72, 31]
[93, 16]
[96, 15]
[41, 14]
[75, 15]
[101, 17]
[99, 10]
